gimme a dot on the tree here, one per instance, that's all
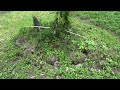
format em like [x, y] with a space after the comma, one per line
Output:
[61, 22]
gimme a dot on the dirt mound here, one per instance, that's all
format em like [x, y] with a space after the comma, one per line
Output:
[26, 47]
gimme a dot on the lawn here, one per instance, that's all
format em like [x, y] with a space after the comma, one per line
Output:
[26, 54]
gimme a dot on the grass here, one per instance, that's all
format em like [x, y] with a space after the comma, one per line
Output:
[105, 19]
[103, 47]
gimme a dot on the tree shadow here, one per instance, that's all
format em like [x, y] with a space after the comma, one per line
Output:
[42, 40]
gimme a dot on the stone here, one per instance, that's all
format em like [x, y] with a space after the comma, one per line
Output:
[57, 64]
[52, 60]
[42, 76]
[58, 77]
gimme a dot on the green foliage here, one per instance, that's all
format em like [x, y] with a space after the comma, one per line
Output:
[90, 45]
[105, 19]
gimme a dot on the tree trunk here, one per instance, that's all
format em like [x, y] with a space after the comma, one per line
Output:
[61, 22]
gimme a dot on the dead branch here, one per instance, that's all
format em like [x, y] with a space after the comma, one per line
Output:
[38, 26]
[75, 34]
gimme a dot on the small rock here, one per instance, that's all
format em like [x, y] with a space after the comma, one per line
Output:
[58, 77]
[52, 60]
[79, 65]
[32, 77]
[57, 64]
[42, 76]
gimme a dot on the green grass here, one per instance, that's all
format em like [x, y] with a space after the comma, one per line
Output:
[106, 19]
[98, 41]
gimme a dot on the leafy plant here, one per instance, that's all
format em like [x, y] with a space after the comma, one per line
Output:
[90, 44]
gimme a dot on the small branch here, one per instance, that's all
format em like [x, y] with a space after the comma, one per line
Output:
[38, 26]
[75, 34]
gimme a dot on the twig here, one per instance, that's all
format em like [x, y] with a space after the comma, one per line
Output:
[38, 26]
[75, 34]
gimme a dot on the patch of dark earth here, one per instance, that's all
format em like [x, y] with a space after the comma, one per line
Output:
[27, 49]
